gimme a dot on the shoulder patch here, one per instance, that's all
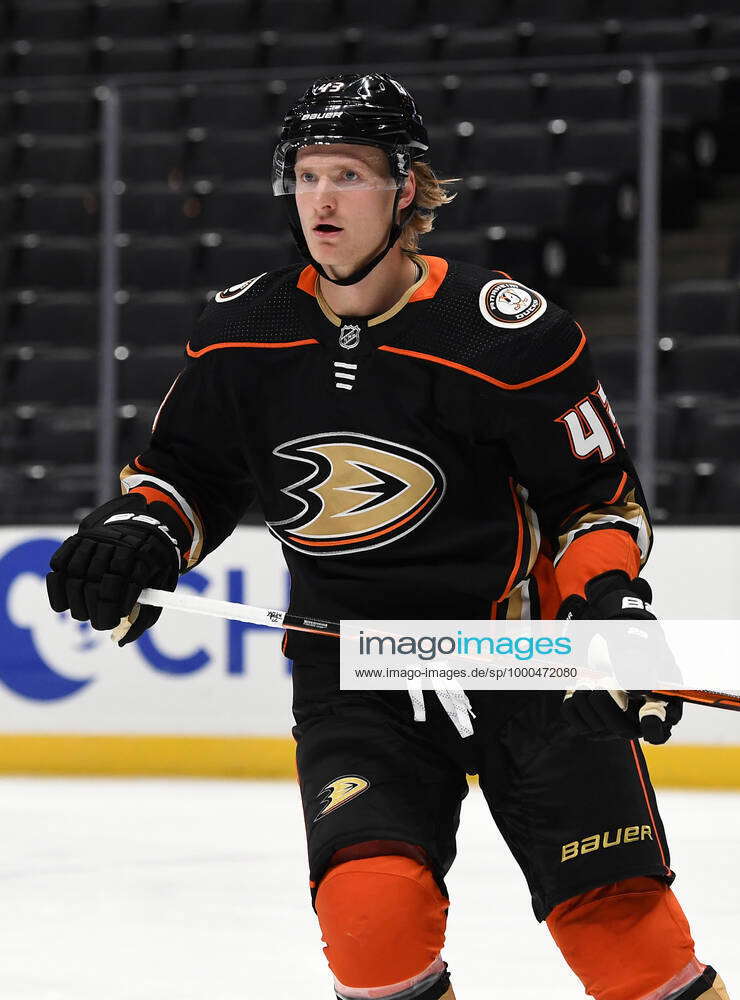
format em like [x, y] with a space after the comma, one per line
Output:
[510, 305]
[234, 291]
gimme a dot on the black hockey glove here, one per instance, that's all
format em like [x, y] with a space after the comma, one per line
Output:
[99, 572]
[632, 713]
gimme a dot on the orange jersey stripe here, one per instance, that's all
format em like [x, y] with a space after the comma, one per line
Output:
[153, 495]
[596, 552]
[246, 343]
[143, 468]
[619, 489]
[649, 807]
[489, 378]
[364, 538]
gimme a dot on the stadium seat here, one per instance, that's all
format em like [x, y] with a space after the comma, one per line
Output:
[673, 488]
[39, 494]
[637, 8]
[7, 110]
[656, 36]
[134, 430]
[54, 319]
[722, 440]
[55, 436]
[64, 112]
[231, 156]
[694, 95]
[148, 374]
[149, 109]
[301, 15]
[543, 10]
[157, 210]
[478, 13]
[152, 156]
[49, 19]
[42, 58]
[587, 96]
[219, 16]
[64, 211]
[131, 18]
[492, 98]
[6, 160]
[68, 379]
[487, 43]
[235, 207]
[703, 365]
[160, 318]
[519, 250]
[211, 52]
[56, 159]
[7, 211]
[400, 14]
[54, 263]
[232, 260]
[236, 106]
[708, 308]
[568, 39]
[471, 246]
[615, 361]
[601, 145]
[310, 48]
[135, 55]
[506, 149]
[155, 263]
[726, 30]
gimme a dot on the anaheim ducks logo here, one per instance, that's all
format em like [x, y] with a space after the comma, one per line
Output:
[340, 791]
[362, 492]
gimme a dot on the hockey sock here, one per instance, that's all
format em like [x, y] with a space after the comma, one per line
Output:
[627, 940]
[383, 922]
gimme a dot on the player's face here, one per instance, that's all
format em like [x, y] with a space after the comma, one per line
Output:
[344, 195]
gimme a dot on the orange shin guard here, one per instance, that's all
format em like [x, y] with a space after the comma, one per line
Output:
[627, 940]
[383, 922]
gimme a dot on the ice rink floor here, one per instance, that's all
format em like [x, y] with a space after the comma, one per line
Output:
[177, 890]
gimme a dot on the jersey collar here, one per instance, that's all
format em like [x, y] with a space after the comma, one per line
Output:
[433, 273]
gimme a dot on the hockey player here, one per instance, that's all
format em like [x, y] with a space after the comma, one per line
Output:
[428, 440]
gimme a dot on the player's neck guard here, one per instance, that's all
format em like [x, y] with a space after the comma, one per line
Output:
[362, 272]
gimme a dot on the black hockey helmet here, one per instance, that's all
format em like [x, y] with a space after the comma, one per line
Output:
[369, 109]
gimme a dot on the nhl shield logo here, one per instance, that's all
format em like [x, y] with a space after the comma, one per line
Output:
[349, 336]
[360, 492]
[508, 304]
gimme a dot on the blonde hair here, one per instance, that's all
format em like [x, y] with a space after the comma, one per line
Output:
[430, 194]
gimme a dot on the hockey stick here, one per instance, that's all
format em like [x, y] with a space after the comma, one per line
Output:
[237, 612]
[283, 619]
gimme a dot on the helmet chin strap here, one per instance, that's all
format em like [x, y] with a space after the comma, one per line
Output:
[361, 272]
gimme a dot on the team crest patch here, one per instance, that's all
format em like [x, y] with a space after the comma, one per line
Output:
[339, 791]
[236, 290]
[360, 492]
[508, 304]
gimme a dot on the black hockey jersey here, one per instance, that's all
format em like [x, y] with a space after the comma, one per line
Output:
[412, 464]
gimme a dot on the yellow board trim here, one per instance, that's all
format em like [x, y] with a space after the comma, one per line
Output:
[679, 766]
[694, 766]
[195, 756]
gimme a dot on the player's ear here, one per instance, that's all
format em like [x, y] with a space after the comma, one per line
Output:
[409, 191]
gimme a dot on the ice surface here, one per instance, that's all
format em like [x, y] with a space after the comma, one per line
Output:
[197, 890]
